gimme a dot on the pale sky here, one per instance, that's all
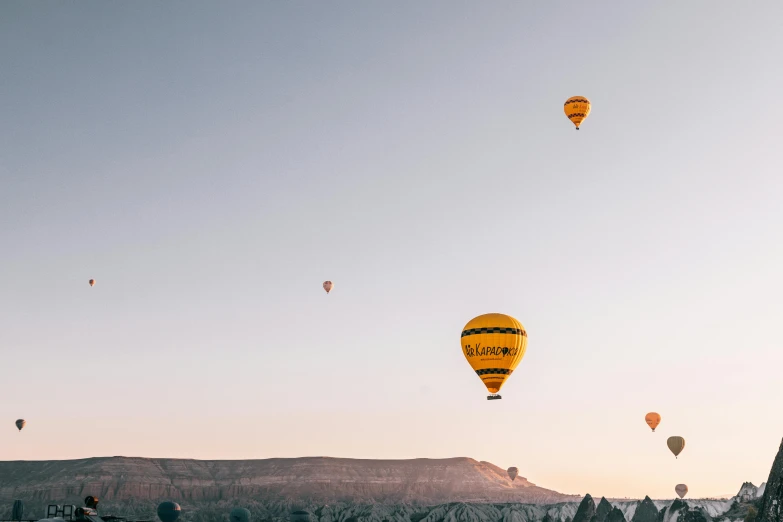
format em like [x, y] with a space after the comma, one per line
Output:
[210, 164]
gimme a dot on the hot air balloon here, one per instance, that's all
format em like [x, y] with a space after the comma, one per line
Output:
[328, 286]
[300, 516]
[676, 445]
[168, 511]
[21, 423]
[512, 473]
[652, 419]
[92, 282]
[239, 515]
[17, 512]
[681, 490]
[577, 108]
[494, 344]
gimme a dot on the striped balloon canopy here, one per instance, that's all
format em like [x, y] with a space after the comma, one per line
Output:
[493, 345]
[577, 108]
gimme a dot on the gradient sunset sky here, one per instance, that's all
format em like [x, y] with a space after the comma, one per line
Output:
[210, 164]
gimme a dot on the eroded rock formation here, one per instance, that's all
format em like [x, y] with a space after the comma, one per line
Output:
[586, 510]
[646, 512]
[771, 509]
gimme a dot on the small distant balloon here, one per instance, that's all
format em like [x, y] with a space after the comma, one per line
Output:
[512, 473]
[17, 512]
[168, 511]
[577, 108]
[21, 423]
[652, 419]
[681, 490]
[328, 286]
[239, 515]
[300, 516]
[92, 282]
[676, 445]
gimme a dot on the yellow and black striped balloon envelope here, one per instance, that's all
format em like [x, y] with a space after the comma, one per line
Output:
[494, 344]
[577, 108]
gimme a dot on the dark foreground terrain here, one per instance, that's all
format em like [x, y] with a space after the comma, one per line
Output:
[348, 490]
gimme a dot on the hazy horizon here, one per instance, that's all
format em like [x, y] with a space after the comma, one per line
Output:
[211, 164]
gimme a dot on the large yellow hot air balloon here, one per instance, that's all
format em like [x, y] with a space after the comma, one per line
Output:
[681, 490]
[652, 419]
[494, 344]
[577, 108]
[676, 445]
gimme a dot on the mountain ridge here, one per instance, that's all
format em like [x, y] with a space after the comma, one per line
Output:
[423, 480]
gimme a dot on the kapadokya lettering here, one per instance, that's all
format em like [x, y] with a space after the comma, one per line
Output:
[483, 351]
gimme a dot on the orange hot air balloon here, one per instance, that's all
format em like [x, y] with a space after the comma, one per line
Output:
[328, 286]
[652, 419]
[92, 282]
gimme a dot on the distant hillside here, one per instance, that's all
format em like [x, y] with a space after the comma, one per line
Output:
[310, 479]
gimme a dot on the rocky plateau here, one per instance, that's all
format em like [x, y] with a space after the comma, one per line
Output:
[351, 490]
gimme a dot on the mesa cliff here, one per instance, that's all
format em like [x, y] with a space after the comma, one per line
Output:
[314, 479]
